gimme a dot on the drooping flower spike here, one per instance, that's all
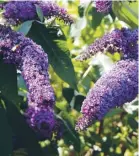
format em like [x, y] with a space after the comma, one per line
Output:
[123, 41]
[16, 12]
[32, 61]
[113, 89]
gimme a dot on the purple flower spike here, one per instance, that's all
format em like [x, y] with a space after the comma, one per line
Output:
[103, 6]
[16, 12]
[33, 63]
[113, 89]
[123, 41]
[42, 121]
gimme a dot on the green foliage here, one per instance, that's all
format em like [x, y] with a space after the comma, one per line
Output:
[5, 134]
[114, 112]
[25, 27]
[39, 13]
[70, 136]
[1, 1]
[21, 129]
[96, 16]
[68, 94]
[8, 81]
[127, 12]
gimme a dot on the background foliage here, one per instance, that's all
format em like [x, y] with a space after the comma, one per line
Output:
[116, 134]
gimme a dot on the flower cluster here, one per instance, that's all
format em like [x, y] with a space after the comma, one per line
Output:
[118, 86]
[16, 12]
[33, 63]
[43, 122]
[123, 41]
[103, 6]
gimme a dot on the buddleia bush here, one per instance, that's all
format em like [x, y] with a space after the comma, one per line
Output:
[69, 77]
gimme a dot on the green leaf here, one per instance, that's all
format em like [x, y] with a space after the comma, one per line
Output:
[5, 135]
[81, 11]
[56, 48]
[68, 94]
[114, 111]
[8, 81]
[133, 123]
[70, 136]
[97, 18]
[21, 82]
[39, 13]
[21, 129]
[96, 137]
[25, 27]
[86, 81]
[78, 102]
[129, 141]
[127, 12]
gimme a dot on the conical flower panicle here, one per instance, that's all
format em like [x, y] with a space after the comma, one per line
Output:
[123, 41]
[113, 89]
[16, 12]
[32, 61]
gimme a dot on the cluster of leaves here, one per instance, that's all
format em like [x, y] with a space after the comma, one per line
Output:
[116, 134]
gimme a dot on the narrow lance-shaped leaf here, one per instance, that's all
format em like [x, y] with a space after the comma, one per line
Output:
[25, 27]
[39, 13]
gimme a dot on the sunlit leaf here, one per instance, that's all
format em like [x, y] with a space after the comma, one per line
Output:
[127, 12]
[39, 13]
[25, 27]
